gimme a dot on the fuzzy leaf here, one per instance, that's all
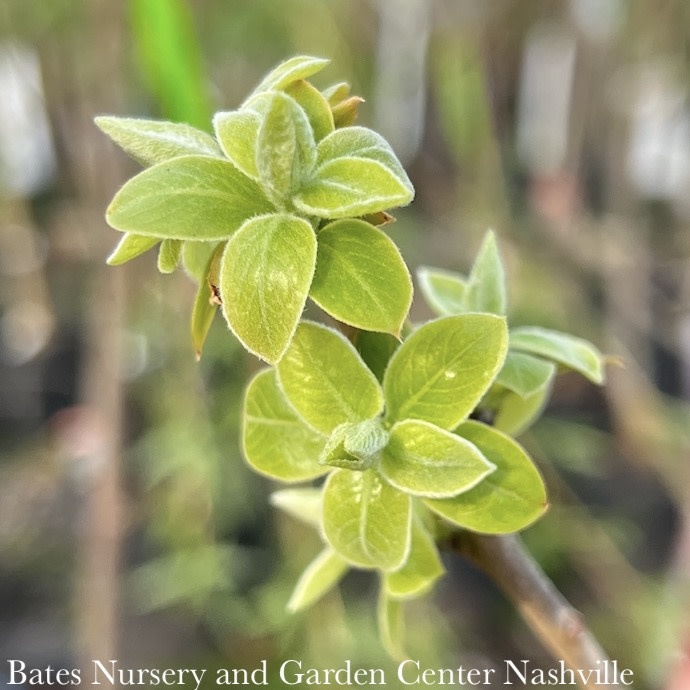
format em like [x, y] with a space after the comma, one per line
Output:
[442, 370]
[422, 568]
[196, 259]
[391, 624]
[486, 286]
[298, 67]
[154, 141]
[129, 247]
[360, 278]
[509, 499]
[285, 148]
[265, 273]
[303, 504]
[351, 187]
[423, 460]
[574, 353]
[355, 446]
[515, 414]
[203, 313]
[237, 131]
[524, 374]
[444, 291]
[169, 255]
[326, 381]
[276, 442]
[345, 113]
[321, 575]
[314, 105]
[336, 92]
[188, 198]
[366, 520]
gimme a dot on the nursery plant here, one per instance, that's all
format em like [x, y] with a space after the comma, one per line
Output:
[399, 435]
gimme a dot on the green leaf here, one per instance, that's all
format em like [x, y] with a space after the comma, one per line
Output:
[326, 381]
[574, 353]
[423, 460]
[376, 349]
[314, 105]
[237, 131]
[515, 414]
[169, 255]
[303, 504]
[129, 247]
[203, 313]
[444, 291]
[321, 575]
[265, 273]
[362, 142]
[366, 520]
[351, 187]
[421, 570]
[486, 287]
[188, 198]
[360, 278]
[276, 442]
[443, 369]
[355, 446]
[336, 92]
[155, 141]
[285, 148]
[196, 259]
[391, 625]
[524, 374]
[509, 499]
[298, 67]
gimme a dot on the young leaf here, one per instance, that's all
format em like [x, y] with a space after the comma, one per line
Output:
[442, 370]
[237, 132]
[524, 374]
[129, 247]
[321, 575]
[154, 141]
[422, 568]
[486, 287]
[574, 353]
[423, 460]
[515, 414]
[355, 446]
[391, 625]
[362, 142]
[325, 380]
[351, 187]
[169, 255]
[345, 113]
[336, 92]
[298, 67]
[360, 278]
[444, 291]
[285, 148]
[314, 105]
[509, 499]
[265, 273]
[188, 198]
[196, 259]
[303, 504]
[276, 442]
[366, 520]
[203, 313]
[376, 349]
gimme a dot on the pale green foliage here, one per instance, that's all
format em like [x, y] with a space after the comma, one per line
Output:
[279, 155]
[286, 203]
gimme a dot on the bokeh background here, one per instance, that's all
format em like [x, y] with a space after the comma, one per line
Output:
[130, 528]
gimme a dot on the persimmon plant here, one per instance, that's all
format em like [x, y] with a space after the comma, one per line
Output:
[401, 433]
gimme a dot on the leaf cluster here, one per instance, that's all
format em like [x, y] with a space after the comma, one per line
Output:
[283, 205]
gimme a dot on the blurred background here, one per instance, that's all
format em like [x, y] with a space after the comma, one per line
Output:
[130, 528]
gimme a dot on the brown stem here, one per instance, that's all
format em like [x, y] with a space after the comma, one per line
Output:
[555, 622]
